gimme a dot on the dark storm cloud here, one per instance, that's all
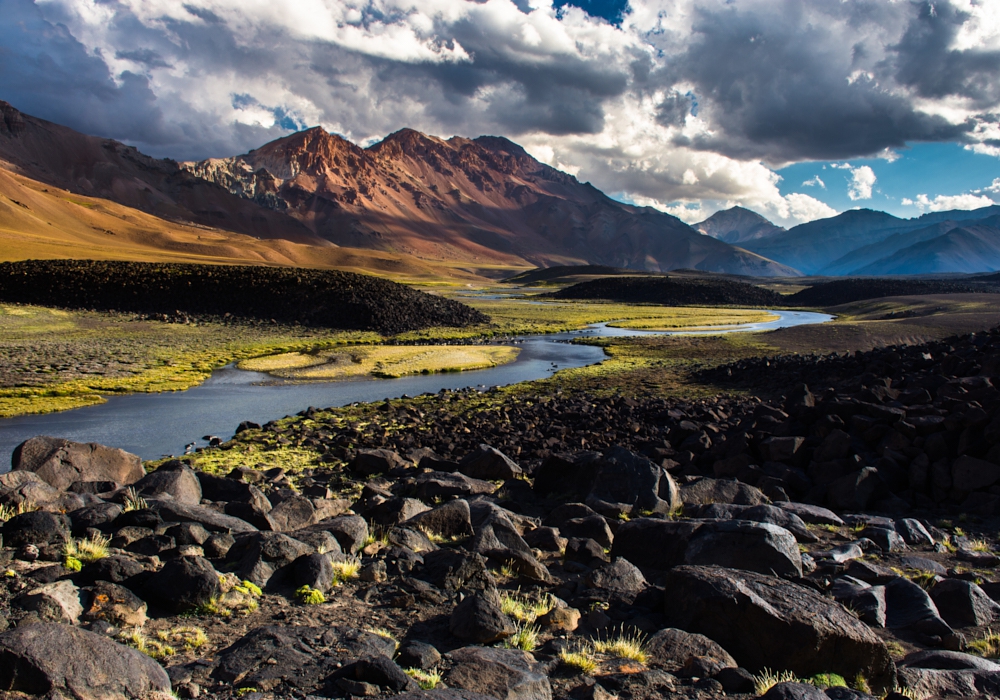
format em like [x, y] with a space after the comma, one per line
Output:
[924, 60]
[782, 87]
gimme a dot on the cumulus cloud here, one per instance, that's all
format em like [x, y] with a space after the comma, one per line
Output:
[635, 97]
[944, 202]
[862, 180]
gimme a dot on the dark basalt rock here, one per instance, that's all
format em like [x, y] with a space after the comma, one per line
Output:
[62, 661]
[766, 622]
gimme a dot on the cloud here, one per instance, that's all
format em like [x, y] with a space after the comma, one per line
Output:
[814, 181]
[635, 97]
[949, 202]
[862, 180]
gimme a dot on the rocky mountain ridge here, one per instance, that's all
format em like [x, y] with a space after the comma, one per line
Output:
[482, 199]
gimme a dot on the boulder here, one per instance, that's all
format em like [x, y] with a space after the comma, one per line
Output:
[672, 649]
[260, 556]
[706, 491]
[212, 520]
[936, 683]
[867, 601]
[380, 671]
[627, 483]
[351, 531]
[489, 464]
[654, 543]
[99, 516]
[505, 674]
[855, 490]
[619, 579]
[114, 604]
[37, 527]
[450, 521]
[964, 604]
[764, 621]
[812, 514]
[418, 655]
[227, 490]
[378, 461]
[593, 527]
[452, 570]
[61, 462]
[57, 602]
[313, 570]
[794, 691]
[114, 568]
[971, 474]
[913, 532]
[292, 514]
[479, 619]
[183, 584]
[62, 661]
[174, 479]
[740, 544]
[296, 658]
[909, 607]
[433, 485]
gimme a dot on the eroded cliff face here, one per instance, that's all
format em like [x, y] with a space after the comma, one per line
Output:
[483, 200]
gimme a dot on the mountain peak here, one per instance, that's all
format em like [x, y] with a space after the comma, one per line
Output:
[737, 225]
[11, 120]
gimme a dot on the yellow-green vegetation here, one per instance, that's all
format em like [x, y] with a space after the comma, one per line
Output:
[631, 646]
[581, 659]
[7, 511]
[427, 680]
[53, 360]
[133, 501]
[87, 551]
[896, 650]
[767, 679]
[249, 588]
[525, 609]
[987, 646]
[693, 318]
[384, 361]
[980, 545]
[516, 317]
[525, 638]
[188, 637]
[72, 564]
[384, 634]
[137, 639]
[345, 570]
[861, 683]
[310, 596]
[827, 680]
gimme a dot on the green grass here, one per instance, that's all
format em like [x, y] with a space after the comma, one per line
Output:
[427, 680]
[767, 679]
[385, 362]
[87, 551]
[525, 638]
[525, 609]
[987, 645]
[580, 659]
[346, 570]
[630, 646]
[310, 596]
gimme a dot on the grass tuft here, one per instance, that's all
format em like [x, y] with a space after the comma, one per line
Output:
[8, 512]
[346, 570]
[767, 679]
[310, 596]
[523, 608]
[581, 659]
[427, 680]
[987, 646]
[154, 648]
[87, 551]
[133, 501]
[525, 638]
[625, 646]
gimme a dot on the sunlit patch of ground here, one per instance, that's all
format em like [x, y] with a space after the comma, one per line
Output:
[382, 361]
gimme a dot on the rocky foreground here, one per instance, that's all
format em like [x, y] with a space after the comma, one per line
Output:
[784, 547]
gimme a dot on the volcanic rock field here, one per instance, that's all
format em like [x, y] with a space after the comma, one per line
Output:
[834, 528]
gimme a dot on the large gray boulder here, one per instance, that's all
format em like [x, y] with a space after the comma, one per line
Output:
[62, 462]
[62, 661]
[706, 491]
[765, 621]
[505, 674]
[629, 484]
[489, 464]
[174, 479]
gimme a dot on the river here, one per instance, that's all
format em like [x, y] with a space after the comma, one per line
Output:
[157, 425]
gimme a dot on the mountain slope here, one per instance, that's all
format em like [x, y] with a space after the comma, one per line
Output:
[969, 248]
[483, 199]
[736, 225]
[866, 255]
[810, 247]
[59, 156]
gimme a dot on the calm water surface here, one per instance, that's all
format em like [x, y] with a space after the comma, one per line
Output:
[155, 425]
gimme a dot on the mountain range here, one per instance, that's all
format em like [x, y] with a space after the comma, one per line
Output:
[411, 198]
[871, 243]
[418, 205]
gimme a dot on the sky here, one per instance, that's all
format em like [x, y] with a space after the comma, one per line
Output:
[796, 109]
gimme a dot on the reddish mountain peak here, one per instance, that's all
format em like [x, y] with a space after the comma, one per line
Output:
[408, 142]
[311, 151]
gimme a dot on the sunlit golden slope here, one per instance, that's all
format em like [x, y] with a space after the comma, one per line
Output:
[42, 221]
